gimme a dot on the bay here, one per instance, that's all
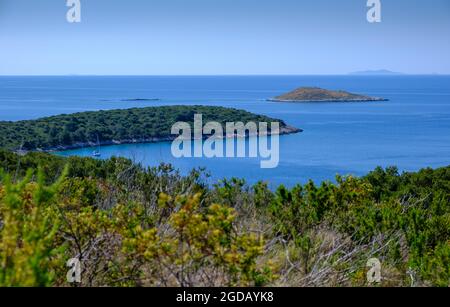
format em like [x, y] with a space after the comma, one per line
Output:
[411, 130]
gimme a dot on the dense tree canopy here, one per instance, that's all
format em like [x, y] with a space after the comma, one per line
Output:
[130, 124]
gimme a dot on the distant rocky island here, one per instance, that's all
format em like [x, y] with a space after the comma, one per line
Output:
[380, 72]
[316, 94]
[141, 99]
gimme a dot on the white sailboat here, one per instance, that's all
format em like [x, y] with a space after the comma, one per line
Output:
[96, 153]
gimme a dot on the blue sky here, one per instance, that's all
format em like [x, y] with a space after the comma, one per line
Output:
[172, 37]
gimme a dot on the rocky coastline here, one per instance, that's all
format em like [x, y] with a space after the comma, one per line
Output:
[285, 130]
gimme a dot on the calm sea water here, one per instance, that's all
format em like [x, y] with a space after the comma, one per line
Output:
[411, 131]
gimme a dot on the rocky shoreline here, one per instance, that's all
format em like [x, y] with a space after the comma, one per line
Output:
[283, 131]
[329, 100]
[316, 94]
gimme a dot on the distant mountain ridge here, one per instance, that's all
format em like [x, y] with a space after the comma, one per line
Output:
[316, 94]
[380, 72]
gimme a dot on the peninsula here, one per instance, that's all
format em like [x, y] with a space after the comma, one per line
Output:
[316, 94]
[126, 126]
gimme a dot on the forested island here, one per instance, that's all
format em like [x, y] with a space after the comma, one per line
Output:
[316, 94]
[136, 125]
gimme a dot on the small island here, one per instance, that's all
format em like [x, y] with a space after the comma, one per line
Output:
[316, 94]
[112, 127]
[141, 99]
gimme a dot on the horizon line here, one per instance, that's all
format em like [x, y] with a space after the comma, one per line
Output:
[224, 75]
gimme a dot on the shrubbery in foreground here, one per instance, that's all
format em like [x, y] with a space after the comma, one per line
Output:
[131, 226]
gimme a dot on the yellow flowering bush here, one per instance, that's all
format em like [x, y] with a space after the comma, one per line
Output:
[29, 227]
[198, 246]
[189, 245]
[130, 226]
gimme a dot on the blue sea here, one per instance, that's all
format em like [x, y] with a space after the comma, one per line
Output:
[411, 130]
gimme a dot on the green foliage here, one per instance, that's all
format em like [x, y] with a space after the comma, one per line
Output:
[30, 224]
[135, 226]
[169, 241]
[82, 129]
[198, 242]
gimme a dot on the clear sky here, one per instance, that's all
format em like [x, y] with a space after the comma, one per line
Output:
[172, 37]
